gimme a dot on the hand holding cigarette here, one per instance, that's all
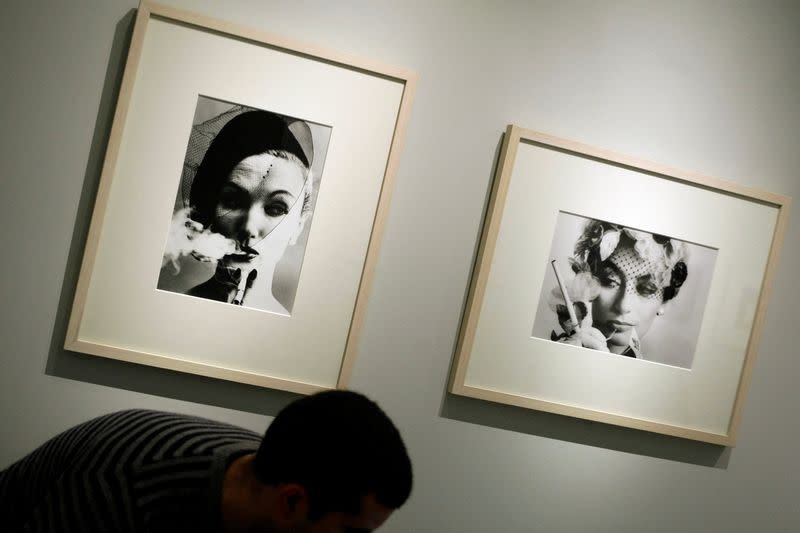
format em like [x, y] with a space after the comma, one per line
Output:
[584, 335]
[573, 319]
[246, 279]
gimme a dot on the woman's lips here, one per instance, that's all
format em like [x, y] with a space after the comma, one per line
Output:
[244, 254]
[240, 257]
[620, 325]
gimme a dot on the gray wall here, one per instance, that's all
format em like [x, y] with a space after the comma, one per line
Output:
[708, 86]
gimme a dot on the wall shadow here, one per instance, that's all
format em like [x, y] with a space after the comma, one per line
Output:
[585, 432]
[119, 374]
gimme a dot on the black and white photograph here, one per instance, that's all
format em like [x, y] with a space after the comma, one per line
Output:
[624, 291]
[244, 206]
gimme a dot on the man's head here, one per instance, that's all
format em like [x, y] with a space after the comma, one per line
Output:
[335, 460]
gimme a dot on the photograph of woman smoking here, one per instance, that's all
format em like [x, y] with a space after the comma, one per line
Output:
[249, 200]
[621, 284]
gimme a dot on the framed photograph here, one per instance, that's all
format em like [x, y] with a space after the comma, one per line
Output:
[618, 290]
[241, 205]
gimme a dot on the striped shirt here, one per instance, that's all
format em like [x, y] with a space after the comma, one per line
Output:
[129, 471]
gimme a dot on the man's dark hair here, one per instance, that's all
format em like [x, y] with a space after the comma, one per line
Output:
[340, 446]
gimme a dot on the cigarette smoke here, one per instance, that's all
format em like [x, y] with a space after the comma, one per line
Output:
[189, 237]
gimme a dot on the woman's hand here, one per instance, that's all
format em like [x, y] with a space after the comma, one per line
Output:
[582, 333]
[588, 337]
[226, 285]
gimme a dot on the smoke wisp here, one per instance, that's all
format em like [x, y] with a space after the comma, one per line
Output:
[189, 237]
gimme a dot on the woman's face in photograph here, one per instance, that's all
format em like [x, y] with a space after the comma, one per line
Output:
[629, 296]
[260, 206]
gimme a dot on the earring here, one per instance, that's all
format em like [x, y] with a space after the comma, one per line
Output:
[660, 312]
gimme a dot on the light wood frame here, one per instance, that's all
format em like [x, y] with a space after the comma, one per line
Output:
[514, 138]
[148, 12]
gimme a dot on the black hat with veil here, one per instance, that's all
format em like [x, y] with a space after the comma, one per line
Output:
[216, 145]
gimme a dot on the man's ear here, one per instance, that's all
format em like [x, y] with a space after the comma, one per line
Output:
[292, 503]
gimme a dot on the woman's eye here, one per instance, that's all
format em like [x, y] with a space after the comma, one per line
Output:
[232, 199]
[647, 288]
[609, 279]
[609, 282]
[276, 209]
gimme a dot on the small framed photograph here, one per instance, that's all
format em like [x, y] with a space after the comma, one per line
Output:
[241, 204]
[618, 290]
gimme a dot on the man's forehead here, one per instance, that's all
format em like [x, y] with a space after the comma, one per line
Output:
[372, 515]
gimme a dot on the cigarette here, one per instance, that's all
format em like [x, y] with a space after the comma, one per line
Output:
[570, 308]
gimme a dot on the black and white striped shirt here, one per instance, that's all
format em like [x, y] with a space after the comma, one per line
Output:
[133, 470]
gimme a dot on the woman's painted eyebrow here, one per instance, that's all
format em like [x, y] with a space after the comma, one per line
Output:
[279, 191]
[608, 265]
[234, 186]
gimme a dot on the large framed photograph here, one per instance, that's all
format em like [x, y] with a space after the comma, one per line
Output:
[618, 290]
[241, 204]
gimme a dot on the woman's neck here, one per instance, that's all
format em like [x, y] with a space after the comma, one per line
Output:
[259, 295]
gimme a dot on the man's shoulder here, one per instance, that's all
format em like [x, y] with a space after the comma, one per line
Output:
[135, 461]
[138, 416]
[152, 424]
[139, 437]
